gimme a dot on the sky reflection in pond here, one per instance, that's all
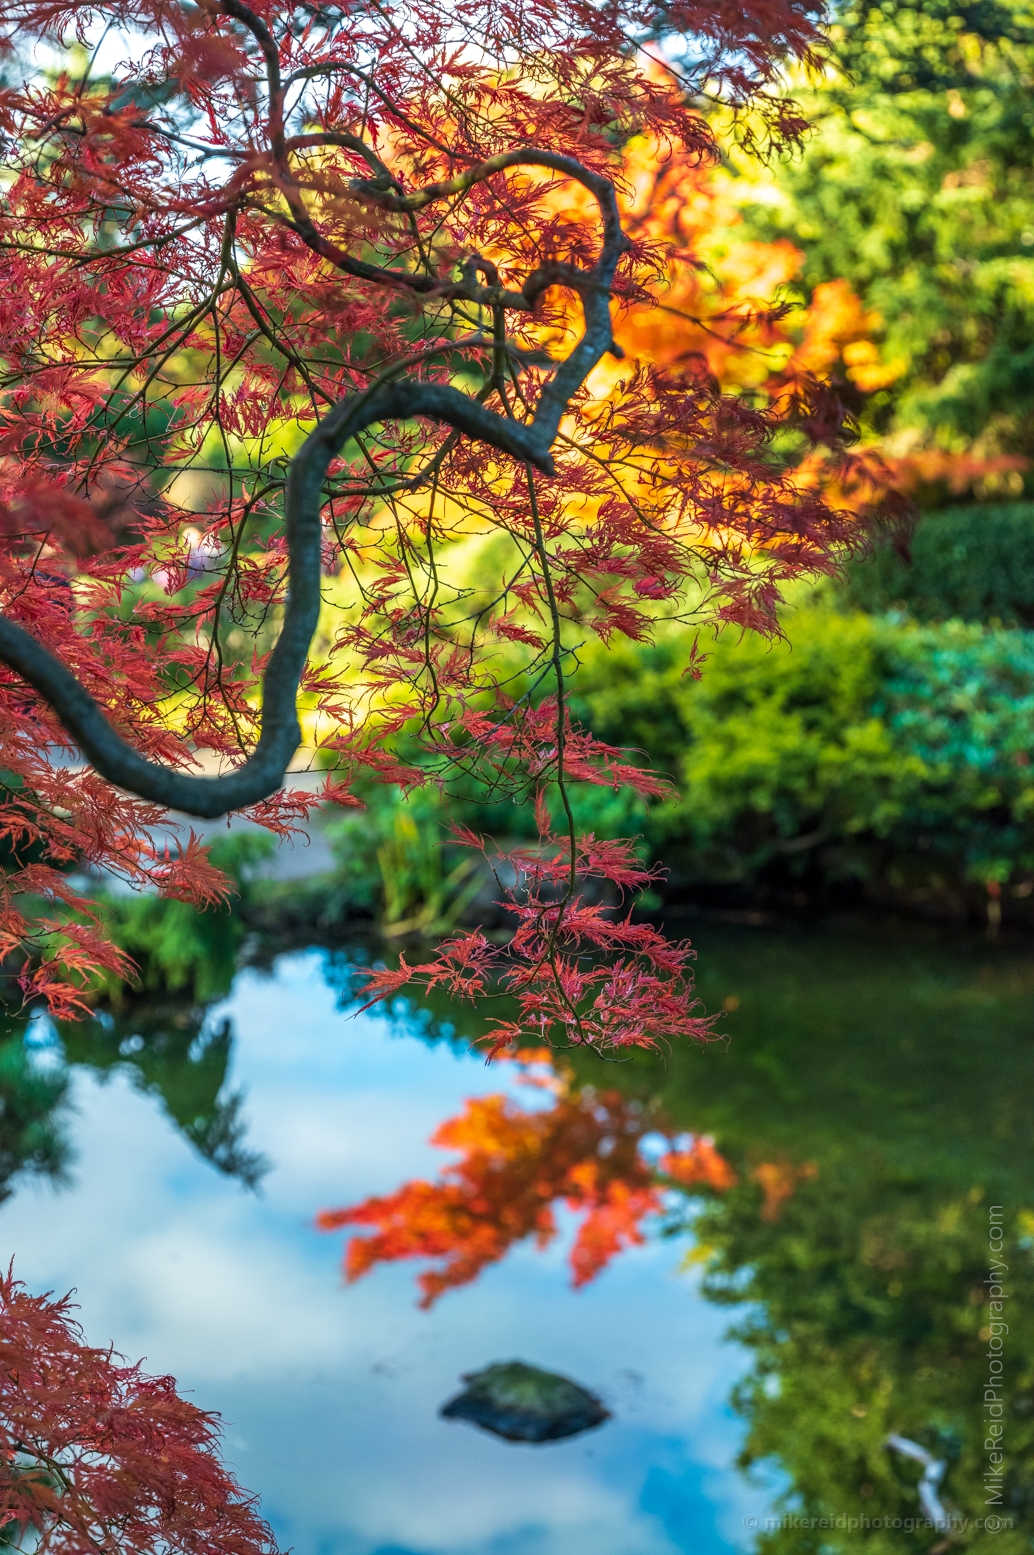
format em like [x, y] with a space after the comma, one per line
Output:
[330, 1395]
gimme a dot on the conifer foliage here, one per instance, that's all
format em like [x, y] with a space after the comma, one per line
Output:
[296, 301]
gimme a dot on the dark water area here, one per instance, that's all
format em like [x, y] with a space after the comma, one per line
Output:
[824, 1285]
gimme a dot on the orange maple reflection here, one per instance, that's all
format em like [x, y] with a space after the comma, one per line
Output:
[516, 1164]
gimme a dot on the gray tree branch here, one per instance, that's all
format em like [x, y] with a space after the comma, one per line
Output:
[262, 773]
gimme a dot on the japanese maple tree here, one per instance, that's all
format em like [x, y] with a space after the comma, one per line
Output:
[95, 1455]
[297, 301]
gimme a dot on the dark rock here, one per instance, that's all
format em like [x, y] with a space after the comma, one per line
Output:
[524, 1404]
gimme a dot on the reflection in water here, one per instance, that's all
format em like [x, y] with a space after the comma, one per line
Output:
[903, 1068]
[869, 1120]
[32, 1138]
[585, 1150]
[331, 1394]
[174, 1052]
[171, 1051]
[870, 1123]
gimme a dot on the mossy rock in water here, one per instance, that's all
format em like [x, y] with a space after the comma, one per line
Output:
[524, 1404]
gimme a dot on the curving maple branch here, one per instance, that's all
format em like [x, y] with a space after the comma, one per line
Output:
[314, 217]
[263, 772]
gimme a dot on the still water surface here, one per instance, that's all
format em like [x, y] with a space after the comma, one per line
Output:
[882, 1077]
[330, 1393]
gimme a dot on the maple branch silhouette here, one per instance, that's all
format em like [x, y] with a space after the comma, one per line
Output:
[529, 441]
[296, 314]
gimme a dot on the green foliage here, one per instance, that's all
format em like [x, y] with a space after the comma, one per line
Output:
[420, 894]
[181, 949]
[924, 45]
[775, 749]
[31, 1139]
[394, 862]
[960, 699]
[860, 748]
[975, 563]
[918, 188]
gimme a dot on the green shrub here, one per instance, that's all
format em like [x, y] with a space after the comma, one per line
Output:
[180, 949]
[859, 746]
[960, 698]
[394, 862]
[975, 563]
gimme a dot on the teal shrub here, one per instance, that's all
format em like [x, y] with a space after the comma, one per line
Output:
[973, 563]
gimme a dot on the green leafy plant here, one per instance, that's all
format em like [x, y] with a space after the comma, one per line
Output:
[394, 864]
[974, 563]
[179, 948]
[862, 748]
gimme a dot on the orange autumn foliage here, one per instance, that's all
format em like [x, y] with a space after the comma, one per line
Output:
[736, 307]
[699, 1164]
[778, 1181]
[515, 1167]
[728, 301]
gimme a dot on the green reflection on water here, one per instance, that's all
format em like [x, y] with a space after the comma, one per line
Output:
[897, 1067]
[172, 1051]
[32, 1140]
[884, 1076]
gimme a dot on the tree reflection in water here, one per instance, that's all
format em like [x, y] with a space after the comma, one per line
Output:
[169, 1050]
[32, 1100]
[871, 1108]
[872, 1105]
[173, 1051]
[516, 1163]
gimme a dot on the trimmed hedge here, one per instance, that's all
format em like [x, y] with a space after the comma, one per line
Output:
[867, 749]
[972, 563]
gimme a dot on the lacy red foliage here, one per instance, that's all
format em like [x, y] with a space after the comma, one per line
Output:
[583, 974]
[271, 215]
[96, 1455]
[515, 1166]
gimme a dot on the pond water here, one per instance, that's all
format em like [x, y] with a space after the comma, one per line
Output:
[881, 1080]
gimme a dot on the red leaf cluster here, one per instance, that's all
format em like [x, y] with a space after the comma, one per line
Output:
[583, 973]
[95, 1455]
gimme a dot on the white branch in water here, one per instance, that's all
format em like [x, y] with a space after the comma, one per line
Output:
[933, 1473]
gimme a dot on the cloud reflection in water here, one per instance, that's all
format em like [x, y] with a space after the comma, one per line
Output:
[330, 1393]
